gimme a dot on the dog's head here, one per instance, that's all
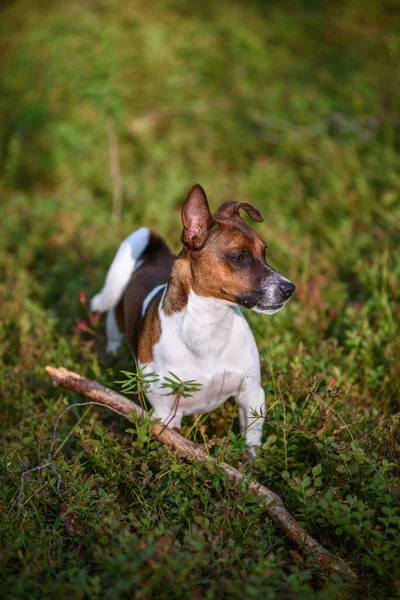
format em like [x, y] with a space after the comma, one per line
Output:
[228, 256]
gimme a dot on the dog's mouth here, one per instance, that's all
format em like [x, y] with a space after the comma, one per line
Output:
[268, 309]
[259, 305]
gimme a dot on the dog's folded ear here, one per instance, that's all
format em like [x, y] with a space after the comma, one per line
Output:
[231, 209]
[196, 218]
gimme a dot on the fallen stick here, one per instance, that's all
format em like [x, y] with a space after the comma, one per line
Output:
[272, 503]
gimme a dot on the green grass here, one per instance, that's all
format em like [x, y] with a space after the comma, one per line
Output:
[293, 106]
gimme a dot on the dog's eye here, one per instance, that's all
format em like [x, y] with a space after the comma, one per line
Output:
[242, 257]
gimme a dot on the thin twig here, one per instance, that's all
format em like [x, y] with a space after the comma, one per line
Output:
[49, 464]
[345, 426]
[272, 503]
[176, 404]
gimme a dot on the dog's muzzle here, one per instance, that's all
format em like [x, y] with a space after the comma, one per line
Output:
[276, 290]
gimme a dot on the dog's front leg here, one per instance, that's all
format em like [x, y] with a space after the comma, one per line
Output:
[251, 414]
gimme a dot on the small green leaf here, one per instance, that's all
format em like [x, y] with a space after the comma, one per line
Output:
[317, 470]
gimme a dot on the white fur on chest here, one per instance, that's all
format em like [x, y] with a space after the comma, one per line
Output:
[209, 342]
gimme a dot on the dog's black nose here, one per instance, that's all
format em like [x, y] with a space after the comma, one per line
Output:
[286, 289]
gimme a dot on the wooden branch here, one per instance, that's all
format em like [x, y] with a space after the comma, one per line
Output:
[272, 503]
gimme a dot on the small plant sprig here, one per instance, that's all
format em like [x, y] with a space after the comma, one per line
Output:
[138, 382]
[179, 388]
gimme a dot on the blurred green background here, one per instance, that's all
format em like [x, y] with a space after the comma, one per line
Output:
[109, 112]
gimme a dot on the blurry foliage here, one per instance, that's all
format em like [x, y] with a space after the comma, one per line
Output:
[293, 106]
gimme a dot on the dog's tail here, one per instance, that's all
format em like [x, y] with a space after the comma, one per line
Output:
[121, 269]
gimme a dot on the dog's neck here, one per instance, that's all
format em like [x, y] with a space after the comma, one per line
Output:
[204, 323]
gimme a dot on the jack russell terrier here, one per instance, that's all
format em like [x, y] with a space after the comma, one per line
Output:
[182, 315]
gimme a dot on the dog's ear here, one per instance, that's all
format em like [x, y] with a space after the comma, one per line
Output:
[231, 209]
[196, 218]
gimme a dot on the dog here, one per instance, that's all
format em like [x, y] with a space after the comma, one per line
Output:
[183, 315]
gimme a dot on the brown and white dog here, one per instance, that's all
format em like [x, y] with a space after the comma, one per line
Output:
[182, 315]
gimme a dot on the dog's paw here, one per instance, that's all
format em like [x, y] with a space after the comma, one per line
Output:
[251, 453]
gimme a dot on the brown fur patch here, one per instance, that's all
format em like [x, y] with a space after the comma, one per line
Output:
[151, 330]
[176, 297]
